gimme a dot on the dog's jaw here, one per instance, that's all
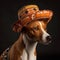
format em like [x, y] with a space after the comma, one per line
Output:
[30, 49]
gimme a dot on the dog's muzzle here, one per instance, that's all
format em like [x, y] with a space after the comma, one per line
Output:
[47, 39]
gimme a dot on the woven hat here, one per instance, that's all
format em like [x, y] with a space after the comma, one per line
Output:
[30, 13]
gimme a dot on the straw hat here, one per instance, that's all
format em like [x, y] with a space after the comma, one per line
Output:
[30, 13]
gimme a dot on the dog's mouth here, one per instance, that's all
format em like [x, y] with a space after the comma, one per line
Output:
[47, 40]
[45, 43]
[41, 42]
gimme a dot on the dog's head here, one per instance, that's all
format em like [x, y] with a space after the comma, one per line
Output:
[35, 23]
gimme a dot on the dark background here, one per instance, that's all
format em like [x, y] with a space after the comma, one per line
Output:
[8, 15]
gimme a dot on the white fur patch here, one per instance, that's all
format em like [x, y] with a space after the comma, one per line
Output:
[45, 34]
[28, 53]
[24, 55]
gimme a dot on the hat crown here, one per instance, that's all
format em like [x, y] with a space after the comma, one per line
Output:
[27, 10]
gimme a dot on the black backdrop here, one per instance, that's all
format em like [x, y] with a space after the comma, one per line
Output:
[8, 15]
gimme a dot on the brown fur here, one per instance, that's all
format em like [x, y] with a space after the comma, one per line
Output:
[17, 49]
[32, 29]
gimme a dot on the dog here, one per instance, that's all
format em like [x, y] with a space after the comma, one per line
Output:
[31, 24]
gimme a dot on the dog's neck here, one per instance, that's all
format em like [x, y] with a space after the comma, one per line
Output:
[30, 48]
[22, 46]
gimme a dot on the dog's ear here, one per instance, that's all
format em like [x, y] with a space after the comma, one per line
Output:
[17, 27]
[44, 15]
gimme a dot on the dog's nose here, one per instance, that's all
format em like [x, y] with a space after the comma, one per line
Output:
[48, 38]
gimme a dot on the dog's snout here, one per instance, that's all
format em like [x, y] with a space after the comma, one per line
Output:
[48, 38]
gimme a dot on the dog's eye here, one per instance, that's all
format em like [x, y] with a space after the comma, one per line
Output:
[36, 28]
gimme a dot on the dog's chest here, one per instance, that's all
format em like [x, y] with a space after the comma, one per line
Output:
[29, 51]
[25, 56]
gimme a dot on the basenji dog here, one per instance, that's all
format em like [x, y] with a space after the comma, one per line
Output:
[31, 24]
